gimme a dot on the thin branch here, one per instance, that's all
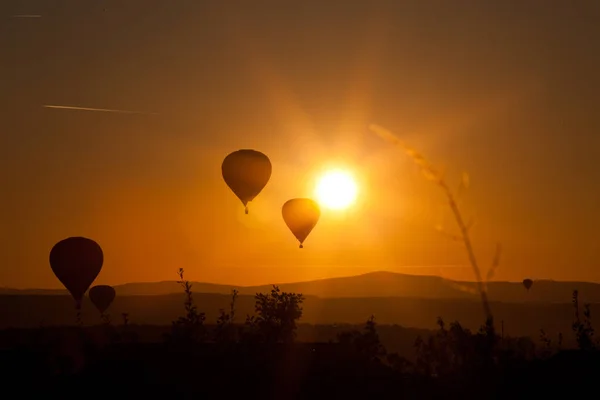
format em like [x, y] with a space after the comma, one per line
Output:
[436, 176]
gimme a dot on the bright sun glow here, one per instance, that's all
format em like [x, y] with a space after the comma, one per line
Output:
[336, 189]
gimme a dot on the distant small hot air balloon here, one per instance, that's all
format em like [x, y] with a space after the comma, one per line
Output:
[246, 172]
[301, 215]
[102, 296]
[76, 262]
[527, 283]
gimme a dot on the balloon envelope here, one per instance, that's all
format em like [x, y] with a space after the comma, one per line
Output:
[301, 215]
[102, 296]
[246, 172]
[76, 262]
[527, 283]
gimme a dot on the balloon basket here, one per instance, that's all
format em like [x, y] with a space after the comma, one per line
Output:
[78, 320]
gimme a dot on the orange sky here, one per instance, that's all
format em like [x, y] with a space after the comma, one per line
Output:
[504, 91]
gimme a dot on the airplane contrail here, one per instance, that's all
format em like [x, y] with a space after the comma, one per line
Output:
[27, 16]
[97, 109]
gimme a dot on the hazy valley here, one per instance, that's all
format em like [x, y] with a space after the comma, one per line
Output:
[406, 300]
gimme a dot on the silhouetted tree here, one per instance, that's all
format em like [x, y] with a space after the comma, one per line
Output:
[276, 316]
[366, 343]
[399, 364]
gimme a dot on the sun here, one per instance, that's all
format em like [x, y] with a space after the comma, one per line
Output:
[336, 189]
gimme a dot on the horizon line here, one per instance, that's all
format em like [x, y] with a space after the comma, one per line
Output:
[297, 282]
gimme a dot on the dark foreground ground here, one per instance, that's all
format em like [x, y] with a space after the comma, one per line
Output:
[75, 367]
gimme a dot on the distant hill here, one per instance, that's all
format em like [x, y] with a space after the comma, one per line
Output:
[375, 284]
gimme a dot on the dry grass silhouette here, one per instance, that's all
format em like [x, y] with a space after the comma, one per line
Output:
[436, 176]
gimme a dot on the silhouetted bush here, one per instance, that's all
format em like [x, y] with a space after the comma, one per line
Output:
[225, 331]
[584, 332]
[188, 329]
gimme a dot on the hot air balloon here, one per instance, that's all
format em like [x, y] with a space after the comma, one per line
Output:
[527, 283]
[102, 296]
[76, 262]
[246, 172]
[301, 215]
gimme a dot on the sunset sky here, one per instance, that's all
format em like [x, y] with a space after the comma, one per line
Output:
[505, 90]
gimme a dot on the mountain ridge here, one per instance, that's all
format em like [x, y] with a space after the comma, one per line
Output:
[372, 284]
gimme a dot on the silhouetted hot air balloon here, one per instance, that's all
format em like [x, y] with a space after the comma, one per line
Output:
[246, 172]
[102, 296]
[76, 262]
[301, 215]
[527, 283]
